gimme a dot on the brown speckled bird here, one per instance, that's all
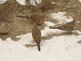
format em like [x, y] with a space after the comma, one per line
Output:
[37, 16]
[69, 27]
[36, 34]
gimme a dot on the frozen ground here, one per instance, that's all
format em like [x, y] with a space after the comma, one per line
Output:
[53, 47]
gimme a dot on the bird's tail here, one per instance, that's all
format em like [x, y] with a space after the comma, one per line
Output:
[53, 27]
[38, 45]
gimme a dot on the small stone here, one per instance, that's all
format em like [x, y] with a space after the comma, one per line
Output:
[53, 2]
[4, 27]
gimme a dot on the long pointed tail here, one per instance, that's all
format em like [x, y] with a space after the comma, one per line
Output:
[53, 27]
[27, 17]
[38, 45]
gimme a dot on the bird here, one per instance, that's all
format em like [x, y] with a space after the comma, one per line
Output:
[36, 35]
[69, 27]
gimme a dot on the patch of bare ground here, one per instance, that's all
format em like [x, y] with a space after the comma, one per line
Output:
[20, 26]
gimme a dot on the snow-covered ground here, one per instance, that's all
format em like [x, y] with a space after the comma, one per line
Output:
[2, 1]
[55, 48]
[23, 2]
[32, 2]
[61, 16]
[80, 0]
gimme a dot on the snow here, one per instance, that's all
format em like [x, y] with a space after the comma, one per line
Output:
[55, 48]
[2, 1]
[79, 0]
[62, 16]
[32, 2]
[22, 2]
[58, 48]
[53, 2]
